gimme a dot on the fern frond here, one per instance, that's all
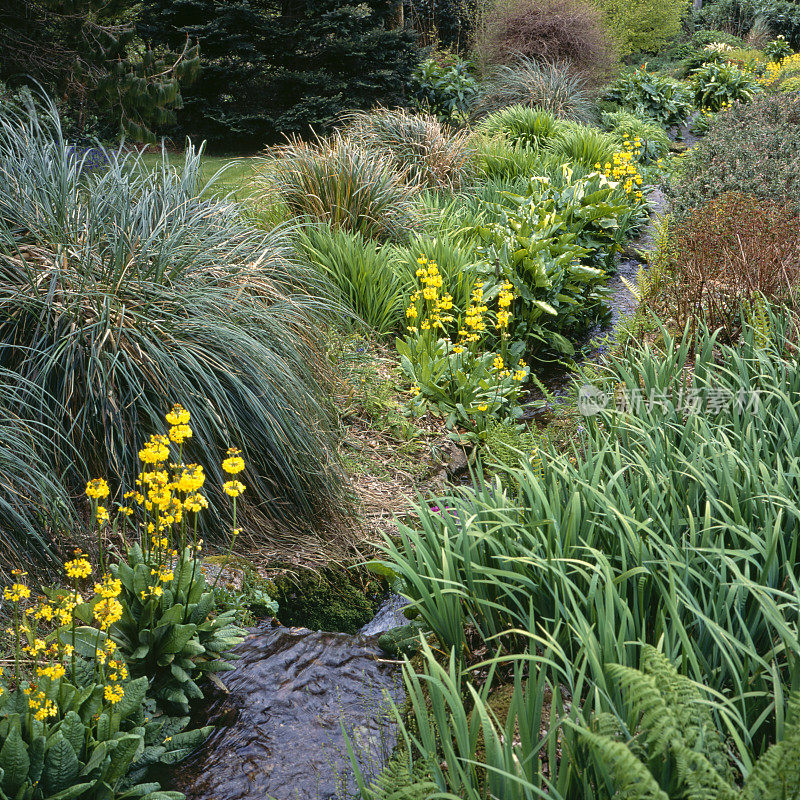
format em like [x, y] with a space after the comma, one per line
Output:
[632, 779]
[695, 721]
[658, 723]
[776, 775]
[699, 777]
[398, 780]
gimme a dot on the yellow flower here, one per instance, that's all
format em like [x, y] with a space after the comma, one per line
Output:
[109, 646]
[79, 567]
[53, 672]
[458, 349]
[190, 479]
[483, 407]
[97, 489]
[107, 612]
[195, 502]
[411, 312]
[155, 451]
[498, 362]
[178, 416]
[233, 488]
[113, 694]
[110, 587]
[102, 515]
[234, 463]
[17, 592]
[520, 375]
[180, 433]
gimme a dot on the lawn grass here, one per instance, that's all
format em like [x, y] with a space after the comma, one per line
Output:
[234, 180]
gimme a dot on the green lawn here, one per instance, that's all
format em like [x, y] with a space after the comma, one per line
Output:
[235, 179]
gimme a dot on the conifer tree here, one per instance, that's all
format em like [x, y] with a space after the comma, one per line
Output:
[275, 67]
[87, 54]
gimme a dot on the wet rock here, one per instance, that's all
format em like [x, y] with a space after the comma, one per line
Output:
[457, 463]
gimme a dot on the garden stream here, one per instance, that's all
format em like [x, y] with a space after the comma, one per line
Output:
[278, 730]
[279, 726]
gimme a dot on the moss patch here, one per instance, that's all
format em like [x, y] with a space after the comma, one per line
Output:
[326, 601]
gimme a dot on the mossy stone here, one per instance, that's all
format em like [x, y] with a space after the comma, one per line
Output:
[404, 639]
[322, 601]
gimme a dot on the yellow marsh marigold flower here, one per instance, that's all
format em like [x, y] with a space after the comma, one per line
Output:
[178, 416]
[180, 433]
[79, 567]
[97, 489]
[233, 488]
[113, 694]
[234, 463]
[16, 592]
[107, 612]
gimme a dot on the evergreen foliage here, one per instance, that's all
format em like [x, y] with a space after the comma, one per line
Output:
[86, 52]
[282, 67]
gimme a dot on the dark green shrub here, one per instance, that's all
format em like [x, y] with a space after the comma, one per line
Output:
[752, 148]
[783, 17]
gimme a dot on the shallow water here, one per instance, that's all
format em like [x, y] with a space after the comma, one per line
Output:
[278, 731]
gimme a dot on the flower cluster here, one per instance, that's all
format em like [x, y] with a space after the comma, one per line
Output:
[624, 169]
[427, 305]
[455, 369]
[777, 72]
[44, 630]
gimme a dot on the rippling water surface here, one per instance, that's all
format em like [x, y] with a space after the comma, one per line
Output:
[278, 731]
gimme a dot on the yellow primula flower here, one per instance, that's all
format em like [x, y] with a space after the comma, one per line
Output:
[233, 488]
[113, 694]
[178, 416]
[180, 433]
[97, 489]
[79, 567]
[234, 463]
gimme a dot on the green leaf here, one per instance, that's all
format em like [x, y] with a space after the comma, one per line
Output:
[61, 765]
[14, 760]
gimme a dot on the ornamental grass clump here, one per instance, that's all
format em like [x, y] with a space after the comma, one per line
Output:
[339, 182]
[431, 155]
[121, 288]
